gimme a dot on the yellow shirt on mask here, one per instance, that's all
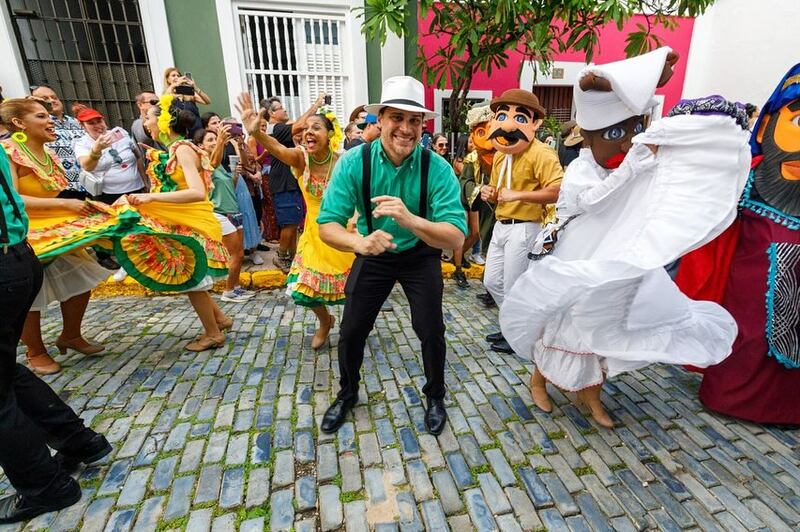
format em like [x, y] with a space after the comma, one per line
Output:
[534, 169]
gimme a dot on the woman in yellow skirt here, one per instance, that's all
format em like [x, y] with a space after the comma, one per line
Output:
[318, 272]
[38, 176]
[178, 205]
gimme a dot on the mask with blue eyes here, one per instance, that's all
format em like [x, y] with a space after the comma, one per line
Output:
[609, 145]
[513, 128]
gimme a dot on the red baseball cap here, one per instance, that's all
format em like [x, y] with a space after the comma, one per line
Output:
[88, 114]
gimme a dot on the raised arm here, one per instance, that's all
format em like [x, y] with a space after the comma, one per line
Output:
[254, 123]
[300, 123]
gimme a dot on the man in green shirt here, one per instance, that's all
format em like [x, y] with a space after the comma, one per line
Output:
[409, 207]
[31, 414]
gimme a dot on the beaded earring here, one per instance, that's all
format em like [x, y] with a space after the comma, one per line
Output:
[20, 137]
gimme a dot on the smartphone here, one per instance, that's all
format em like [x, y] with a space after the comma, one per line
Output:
[184, 90]
[236, 127]
[233, 162]
[117, 134]
[188, 75]
[328, 99]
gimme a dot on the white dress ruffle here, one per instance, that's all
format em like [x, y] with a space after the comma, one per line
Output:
[67, 276]
[601, 303]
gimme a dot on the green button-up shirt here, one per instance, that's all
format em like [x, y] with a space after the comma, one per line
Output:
[17, 228]
[344, 195]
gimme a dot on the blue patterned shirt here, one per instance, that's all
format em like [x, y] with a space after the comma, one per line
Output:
[68, 131]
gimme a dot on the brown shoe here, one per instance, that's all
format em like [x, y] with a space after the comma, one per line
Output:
[78, 344]
[42, 364]
[321, 335]
[225, 324]
[205, 342]
[539, 391]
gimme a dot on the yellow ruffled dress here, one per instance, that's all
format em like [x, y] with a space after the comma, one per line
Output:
[167, 247]
[163, 265]
[318, 272]
[73, 271]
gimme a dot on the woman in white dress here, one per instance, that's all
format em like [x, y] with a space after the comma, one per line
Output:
[600, 302]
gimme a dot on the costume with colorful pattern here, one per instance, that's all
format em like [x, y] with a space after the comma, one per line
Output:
[318, 272]
[753, 270]
[170, 248]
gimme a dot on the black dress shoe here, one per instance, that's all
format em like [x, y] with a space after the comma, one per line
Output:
[465, 264]
[502, 347]
[494, 337]
[487, 300]
[461, 279]
[435, 416]
[335, 415]
[88, 453]
[16, 508]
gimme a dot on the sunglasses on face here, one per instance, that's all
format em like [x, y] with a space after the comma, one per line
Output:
[441, 145]
[153, 102]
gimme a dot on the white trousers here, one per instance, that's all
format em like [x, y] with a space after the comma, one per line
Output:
[507, 257]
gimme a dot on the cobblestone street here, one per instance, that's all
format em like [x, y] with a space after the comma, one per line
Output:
[228, 439]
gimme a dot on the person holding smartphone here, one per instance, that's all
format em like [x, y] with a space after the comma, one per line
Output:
[184, 87]
[110, 154]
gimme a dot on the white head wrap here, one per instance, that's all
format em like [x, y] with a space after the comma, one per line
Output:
[633, 83]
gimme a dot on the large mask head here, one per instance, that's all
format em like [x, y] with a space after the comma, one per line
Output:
[777, 137]
[609, 145]
[613, 102]
[478, 119]
[517, 116]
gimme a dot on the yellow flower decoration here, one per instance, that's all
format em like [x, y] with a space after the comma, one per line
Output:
[164, 117]
[335, 141]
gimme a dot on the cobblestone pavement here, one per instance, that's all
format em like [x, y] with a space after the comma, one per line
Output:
[228, 439]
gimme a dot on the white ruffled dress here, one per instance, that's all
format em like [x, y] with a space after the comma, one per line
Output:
[601, 303]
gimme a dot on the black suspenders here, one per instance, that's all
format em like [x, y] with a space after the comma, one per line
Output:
[366, 183]
[15, 208]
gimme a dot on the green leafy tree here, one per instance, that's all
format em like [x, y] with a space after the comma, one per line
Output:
[481, 34]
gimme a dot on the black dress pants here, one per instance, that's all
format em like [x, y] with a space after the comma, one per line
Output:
[31, 414]
[419, 272]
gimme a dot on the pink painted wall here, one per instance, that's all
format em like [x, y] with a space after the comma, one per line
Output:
[612, 48]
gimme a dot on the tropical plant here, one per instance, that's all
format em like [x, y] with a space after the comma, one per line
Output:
[481, 34]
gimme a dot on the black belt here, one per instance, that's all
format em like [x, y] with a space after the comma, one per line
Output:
[512, 221]
[17, 249]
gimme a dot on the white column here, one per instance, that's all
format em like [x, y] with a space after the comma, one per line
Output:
[393, 57]
[13, 78]
[157, 40]
[741, 49]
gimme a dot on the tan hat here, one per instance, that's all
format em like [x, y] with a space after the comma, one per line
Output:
[574, 137]
[478, 114]
[520, 97]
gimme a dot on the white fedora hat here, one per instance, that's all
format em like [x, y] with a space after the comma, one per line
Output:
[404, 93]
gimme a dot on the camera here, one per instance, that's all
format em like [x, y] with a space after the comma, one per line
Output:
[327, 99]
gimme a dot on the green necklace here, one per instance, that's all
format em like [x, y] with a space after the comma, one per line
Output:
[324, 161]
[47, 165]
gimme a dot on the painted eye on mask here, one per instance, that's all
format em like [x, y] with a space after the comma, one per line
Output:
[522, 119]
[796, 120]
[501, 117]
[638, 128]
[614, 133]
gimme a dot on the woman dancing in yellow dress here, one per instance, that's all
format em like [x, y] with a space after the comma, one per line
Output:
[39, 177]
[178, 204]
[318, 272]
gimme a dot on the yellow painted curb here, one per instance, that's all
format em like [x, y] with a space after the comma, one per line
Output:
[260, 280]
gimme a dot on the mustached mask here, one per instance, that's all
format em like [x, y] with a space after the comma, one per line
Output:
[613, 102]
[777, 177]
[517, 116]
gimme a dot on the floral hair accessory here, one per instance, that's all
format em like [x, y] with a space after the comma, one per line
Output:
[335, 140]
[165, 117]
